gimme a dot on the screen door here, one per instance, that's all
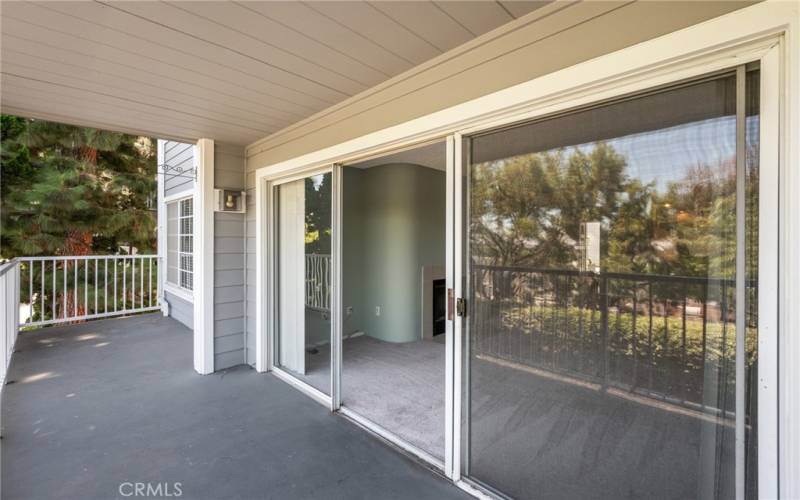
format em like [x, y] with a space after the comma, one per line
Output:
[612, 291]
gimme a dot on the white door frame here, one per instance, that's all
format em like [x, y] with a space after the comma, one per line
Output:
[267, 284]
[766, 32]
[768, 232]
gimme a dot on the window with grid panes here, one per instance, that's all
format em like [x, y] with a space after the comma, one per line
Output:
[180, 265]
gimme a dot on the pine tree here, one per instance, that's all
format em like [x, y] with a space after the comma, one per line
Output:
[67, 190]
[70, 190]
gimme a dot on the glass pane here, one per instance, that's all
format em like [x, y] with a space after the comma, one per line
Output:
[172, 267]
[304, 331]
[186, 207]
[186, 244]
[186, 225]
[173, 227]
[752, 130]
[172, 210]
[186, 280]
[173, 243]
[602, 339]
[186, 262]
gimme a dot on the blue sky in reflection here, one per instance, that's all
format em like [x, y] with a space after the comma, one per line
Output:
[667, 155]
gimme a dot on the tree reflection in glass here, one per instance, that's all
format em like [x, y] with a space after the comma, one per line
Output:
[596, 354]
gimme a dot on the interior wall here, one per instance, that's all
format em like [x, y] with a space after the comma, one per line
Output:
[394, 224]
[353, 251]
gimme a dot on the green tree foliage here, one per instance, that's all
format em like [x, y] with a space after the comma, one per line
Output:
[67, 190]
[528, 211]
[318, 214]
[663, 302]
[70, 190]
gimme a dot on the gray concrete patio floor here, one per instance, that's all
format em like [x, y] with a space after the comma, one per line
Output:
[107, 402]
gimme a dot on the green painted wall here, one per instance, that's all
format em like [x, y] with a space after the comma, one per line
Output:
[318, 326]
[352, 250]
[394, 224]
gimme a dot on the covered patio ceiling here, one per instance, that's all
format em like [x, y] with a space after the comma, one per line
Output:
[231, 71]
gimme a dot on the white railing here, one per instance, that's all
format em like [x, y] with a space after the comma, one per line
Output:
[9, 321]
[318, 282]
[63, 289]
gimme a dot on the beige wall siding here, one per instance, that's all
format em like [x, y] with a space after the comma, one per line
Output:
[180, 309]
[552, 38]
[228, 263]
[250, 270]
[177, 156]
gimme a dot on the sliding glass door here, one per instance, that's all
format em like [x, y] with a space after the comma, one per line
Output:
[303, 267]
[610, 348]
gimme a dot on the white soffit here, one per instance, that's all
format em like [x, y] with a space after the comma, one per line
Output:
[231, 71]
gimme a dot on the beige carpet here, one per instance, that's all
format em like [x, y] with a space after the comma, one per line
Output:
[399, 386]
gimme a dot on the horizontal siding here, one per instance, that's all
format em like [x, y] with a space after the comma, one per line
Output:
[227, 294]
[228, 344]
[549, 39]
[180, 309]
[178, 155]
[230, 310]
[250, 273]
[225, 360]
[229, 244]
[226, 327]
[229, 316]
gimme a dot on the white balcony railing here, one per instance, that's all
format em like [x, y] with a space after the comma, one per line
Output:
[63, 289]
[318, 282]
[9, 320]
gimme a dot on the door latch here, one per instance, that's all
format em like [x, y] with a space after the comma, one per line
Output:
[461, 306]
[450, 304]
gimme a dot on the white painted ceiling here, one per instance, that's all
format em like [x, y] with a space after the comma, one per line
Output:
[232, 71]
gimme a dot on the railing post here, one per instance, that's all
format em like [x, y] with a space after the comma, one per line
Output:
[17, 298]
[5, 323]
[64, 297]
[604, 321]
[10, 297]
[53, 317]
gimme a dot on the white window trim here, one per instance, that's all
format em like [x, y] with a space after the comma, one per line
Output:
[176, 288]
[188, 193]
[766, 31]
[182, 293]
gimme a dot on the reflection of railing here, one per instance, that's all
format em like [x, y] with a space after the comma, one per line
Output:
[62, 289]
[318, 282]
[664, 337]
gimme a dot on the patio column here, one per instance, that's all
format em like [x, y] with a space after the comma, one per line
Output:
[203, 257]
[161, 229]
